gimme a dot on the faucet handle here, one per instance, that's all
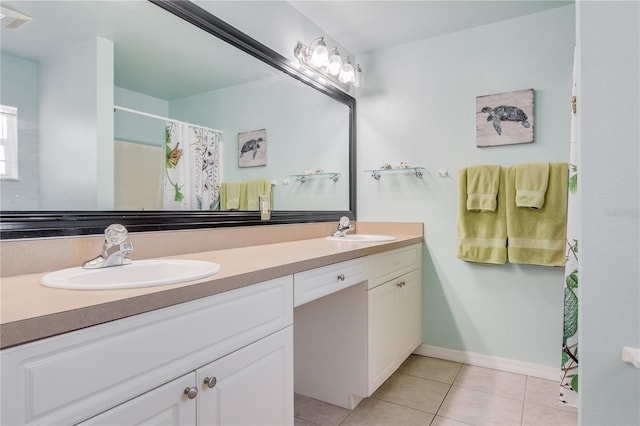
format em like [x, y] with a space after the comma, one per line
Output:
[344, 222]
[115, 234]
[126, 248]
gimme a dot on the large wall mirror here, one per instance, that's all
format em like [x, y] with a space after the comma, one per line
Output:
[105, 99]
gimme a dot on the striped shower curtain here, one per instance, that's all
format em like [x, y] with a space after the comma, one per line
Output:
[192, 167]
[569, 375]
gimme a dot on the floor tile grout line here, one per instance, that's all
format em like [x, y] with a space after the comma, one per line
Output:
[399, 405]
[524, 398]
[447, 393]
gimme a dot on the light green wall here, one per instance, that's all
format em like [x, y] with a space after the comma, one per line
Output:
[74, 128]
[136, 128]
[305, 130]
[418, 105]
[19, 88]
[609, 110]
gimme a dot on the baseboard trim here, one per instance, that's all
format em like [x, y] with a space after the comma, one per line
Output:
[488, 361]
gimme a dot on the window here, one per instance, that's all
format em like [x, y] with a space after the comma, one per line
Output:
[8, 142]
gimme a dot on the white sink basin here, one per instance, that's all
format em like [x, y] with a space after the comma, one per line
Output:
[140, 273]
[363, 238]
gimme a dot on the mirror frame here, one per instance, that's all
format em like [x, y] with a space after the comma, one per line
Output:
[47, 224]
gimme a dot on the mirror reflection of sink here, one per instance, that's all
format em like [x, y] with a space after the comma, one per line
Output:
[140, 273]
[363, 238]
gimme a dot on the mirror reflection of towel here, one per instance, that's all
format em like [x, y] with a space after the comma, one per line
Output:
[231, 194]
[242, 195]
[255, 189]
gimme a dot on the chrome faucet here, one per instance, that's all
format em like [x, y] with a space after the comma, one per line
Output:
[114, 251]
[343, 227]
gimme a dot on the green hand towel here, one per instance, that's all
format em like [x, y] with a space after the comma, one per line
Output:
[537, 237]
[482, 236]
[532, 180]
[482, 188]
[233, 195]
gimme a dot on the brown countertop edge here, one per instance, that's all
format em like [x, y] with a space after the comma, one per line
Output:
[31, 329]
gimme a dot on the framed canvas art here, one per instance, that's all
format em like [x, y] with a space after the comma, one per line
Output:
[252, 148]
[504, 118]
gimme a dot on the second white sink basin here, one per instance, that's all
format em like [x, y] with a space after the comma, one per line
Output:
[140, 273]
[363, 238]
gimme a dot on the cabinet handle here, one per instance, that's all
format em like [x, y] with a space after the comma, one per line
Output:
[210, 381]
[341, 277]
[191, 392]
[401, 284]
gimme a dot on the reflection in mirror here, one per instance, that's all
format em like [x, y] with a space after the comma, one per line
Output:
[96, 92]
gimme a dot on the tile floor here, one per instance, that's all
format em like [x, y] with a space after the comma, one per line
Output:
[430, 391]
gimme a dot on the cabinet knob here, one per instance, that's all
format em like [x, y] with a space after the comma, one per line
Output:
[341, 277]
[401, 284]
[191, 392]
[210, 381]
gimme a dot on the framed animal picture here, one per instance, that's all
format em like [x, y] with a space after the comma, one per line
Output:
[252, 148]
[504, 118]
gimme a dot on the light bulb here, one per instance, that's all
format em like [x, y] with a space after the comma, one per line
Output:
[335, 63]
[320, 54]
[347, 74]
[358, 76]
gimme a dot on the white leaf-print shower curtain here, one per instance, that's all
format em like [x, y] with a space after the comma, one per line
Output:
[192, 168]
[569, 379]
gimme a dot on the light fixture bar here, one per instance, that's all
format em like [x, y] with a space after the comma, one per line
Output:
[328, 64]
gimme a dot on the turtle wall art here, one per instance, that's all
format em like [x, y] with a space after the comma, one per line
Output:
[252, 148]
[504, 118]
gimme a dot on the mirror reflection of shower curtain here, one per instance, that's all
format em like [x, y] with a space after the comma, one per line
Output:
[192, 167]
[569, 374]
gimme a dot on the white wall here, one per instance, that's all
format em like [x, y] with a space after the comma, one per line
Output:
[418, 105]
[609, 135]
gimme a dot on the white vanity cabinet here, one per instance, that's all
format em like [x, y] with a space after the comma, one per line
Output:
[251, 386]
[394, 311]
[350, 340]
[136, 370]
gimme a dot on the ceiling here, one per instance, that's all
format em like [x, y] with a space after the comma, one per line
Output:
[146, 40]
[363, 26]
[146, 37]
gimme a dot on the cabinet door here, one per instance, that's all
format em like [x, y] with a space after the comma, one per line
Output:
[395, 325]
[252, 386]
[409, 314]
[382, 333]
[167, 405]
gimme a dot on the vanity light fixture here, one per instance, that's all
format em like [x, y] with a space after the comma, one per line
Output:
[328, 63]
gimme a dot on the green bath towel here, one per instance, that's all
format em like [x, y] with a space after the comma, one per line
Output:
[482, 236]
[538, 236]
[532, 180]
[482, 187]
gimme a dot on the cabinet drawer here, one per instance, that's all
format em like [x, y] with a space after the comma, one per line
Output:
[316, 283]
[386, 266]
[68, 378]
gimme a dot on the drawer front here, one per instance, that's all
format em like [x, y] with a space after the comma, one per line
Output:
[316, 283]
[68, 378]
[387, 266]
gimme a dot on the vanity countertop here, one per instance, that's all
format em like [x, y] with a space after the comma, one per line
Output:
[30, 311]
